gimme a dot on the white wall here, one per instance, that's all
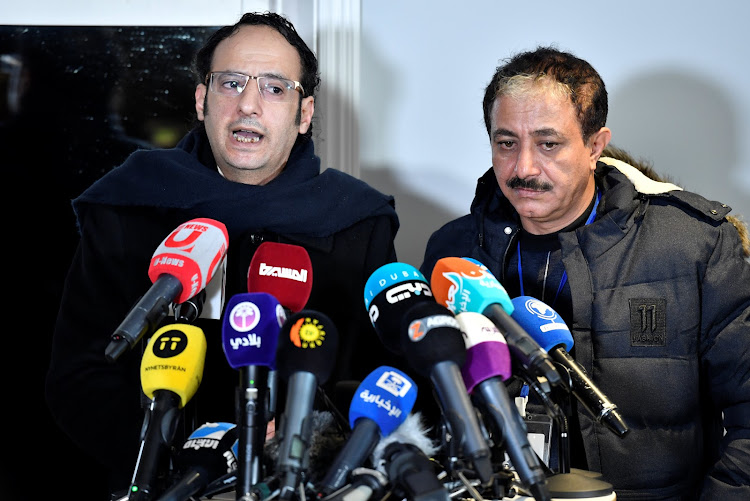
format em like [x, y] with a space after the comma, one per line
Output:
[677, 73]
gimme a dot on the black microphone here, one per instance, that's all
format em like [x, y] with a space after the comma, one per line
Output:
[487, 366]
[434, 347]
[188, 311]
[404, 458]
[180, 268]
[207, 454]
[381, 403]
[412, 473]
[250, 331]
[171, 371]
[547, 328]
[284, 271]
[305, 359]
[391, 295]
[389, 292]
[366, 484]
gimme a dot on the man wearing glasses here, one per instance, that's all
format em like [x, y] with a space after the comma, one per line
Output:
[250, 164]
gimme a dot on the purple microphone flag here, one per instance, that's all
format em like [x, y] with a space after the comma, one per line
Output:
[487, 352]
[250, 329]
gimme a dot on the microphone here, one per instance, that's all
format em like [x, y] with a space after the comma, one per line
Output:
[403, 456]
[171, 371]
[380, 405]
[284, 271]
[188, 311]
[389, 292]
[206, 455]
[487, 366]
[366, 484]
[463, 285]
[434, 347]
[547, 328]
[305, 358]
[180, 268]
[250, 331]
[412, 474]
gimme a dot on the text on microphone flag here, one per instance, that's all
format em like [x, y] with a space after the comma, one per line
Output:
[463, 285]
[393, 383]
[419, 327]
[391, 274]
[193, 252]
[281, 272]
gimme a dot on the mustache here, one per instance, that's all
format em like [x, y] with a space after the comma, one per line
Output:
[528, 184]
[247, 122]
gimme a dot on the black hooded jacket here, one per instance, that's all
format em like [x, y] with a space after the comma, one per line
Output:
[347, 228]
[652, 249]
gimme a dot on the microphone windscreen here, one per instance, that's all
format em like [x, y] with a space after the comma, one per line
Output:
[412, 431]
[463, 285]
[174, 360]
[385, 396]
[487, 352]
[192, 254]
[250, 329]
[542, 323]
[326, 441]
[308, 342]
[430, 335]
[389, 292]
[284, 271]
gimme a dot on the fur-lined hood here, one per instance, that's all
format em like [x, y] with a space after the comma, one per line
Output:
[621, 159]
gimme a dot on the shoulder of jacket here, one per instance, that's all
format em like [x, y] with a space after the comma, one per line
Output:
[644, 183]
[647, 185]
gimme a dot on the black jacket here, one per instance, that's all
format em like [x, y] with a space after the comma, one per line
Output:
[347, 228]
[651, 245]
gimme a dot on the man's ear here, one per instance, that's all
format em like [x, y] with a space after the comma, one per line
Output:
[200, 97]
[307, 109]
[598, 141]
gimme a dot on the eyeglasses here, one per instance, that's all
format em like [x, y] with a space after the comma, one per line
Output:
[272, 89]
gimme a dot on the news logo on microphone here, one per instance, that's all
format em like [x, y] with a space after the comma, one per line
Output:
[462, 285]
[194, 250]
[250, 329]
[174, 360]
[308, 332]
[283, 270]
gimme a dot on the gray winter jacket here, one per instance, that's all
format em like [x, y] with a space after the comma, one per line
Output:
[661, 321]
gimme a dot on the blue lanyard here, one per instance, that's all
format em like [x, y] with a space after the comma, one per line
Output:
[565, 273]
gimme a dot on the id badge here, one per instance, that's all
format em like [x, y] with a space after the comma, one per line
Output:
[539, 432]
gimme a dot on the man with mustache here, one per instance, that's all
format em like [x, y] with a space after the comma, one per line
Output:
[652, 280]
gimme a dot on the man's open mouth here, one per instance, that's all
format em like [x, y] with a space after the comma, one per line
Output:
[246, 136]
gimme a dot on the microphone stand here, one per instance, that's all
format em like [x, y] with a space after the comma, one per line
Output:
[252, 425]
[558, 416]
[566, 484]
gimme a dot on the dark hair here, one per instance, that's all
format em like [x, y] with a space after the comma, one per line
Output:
[586, 87]
[309, 79]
